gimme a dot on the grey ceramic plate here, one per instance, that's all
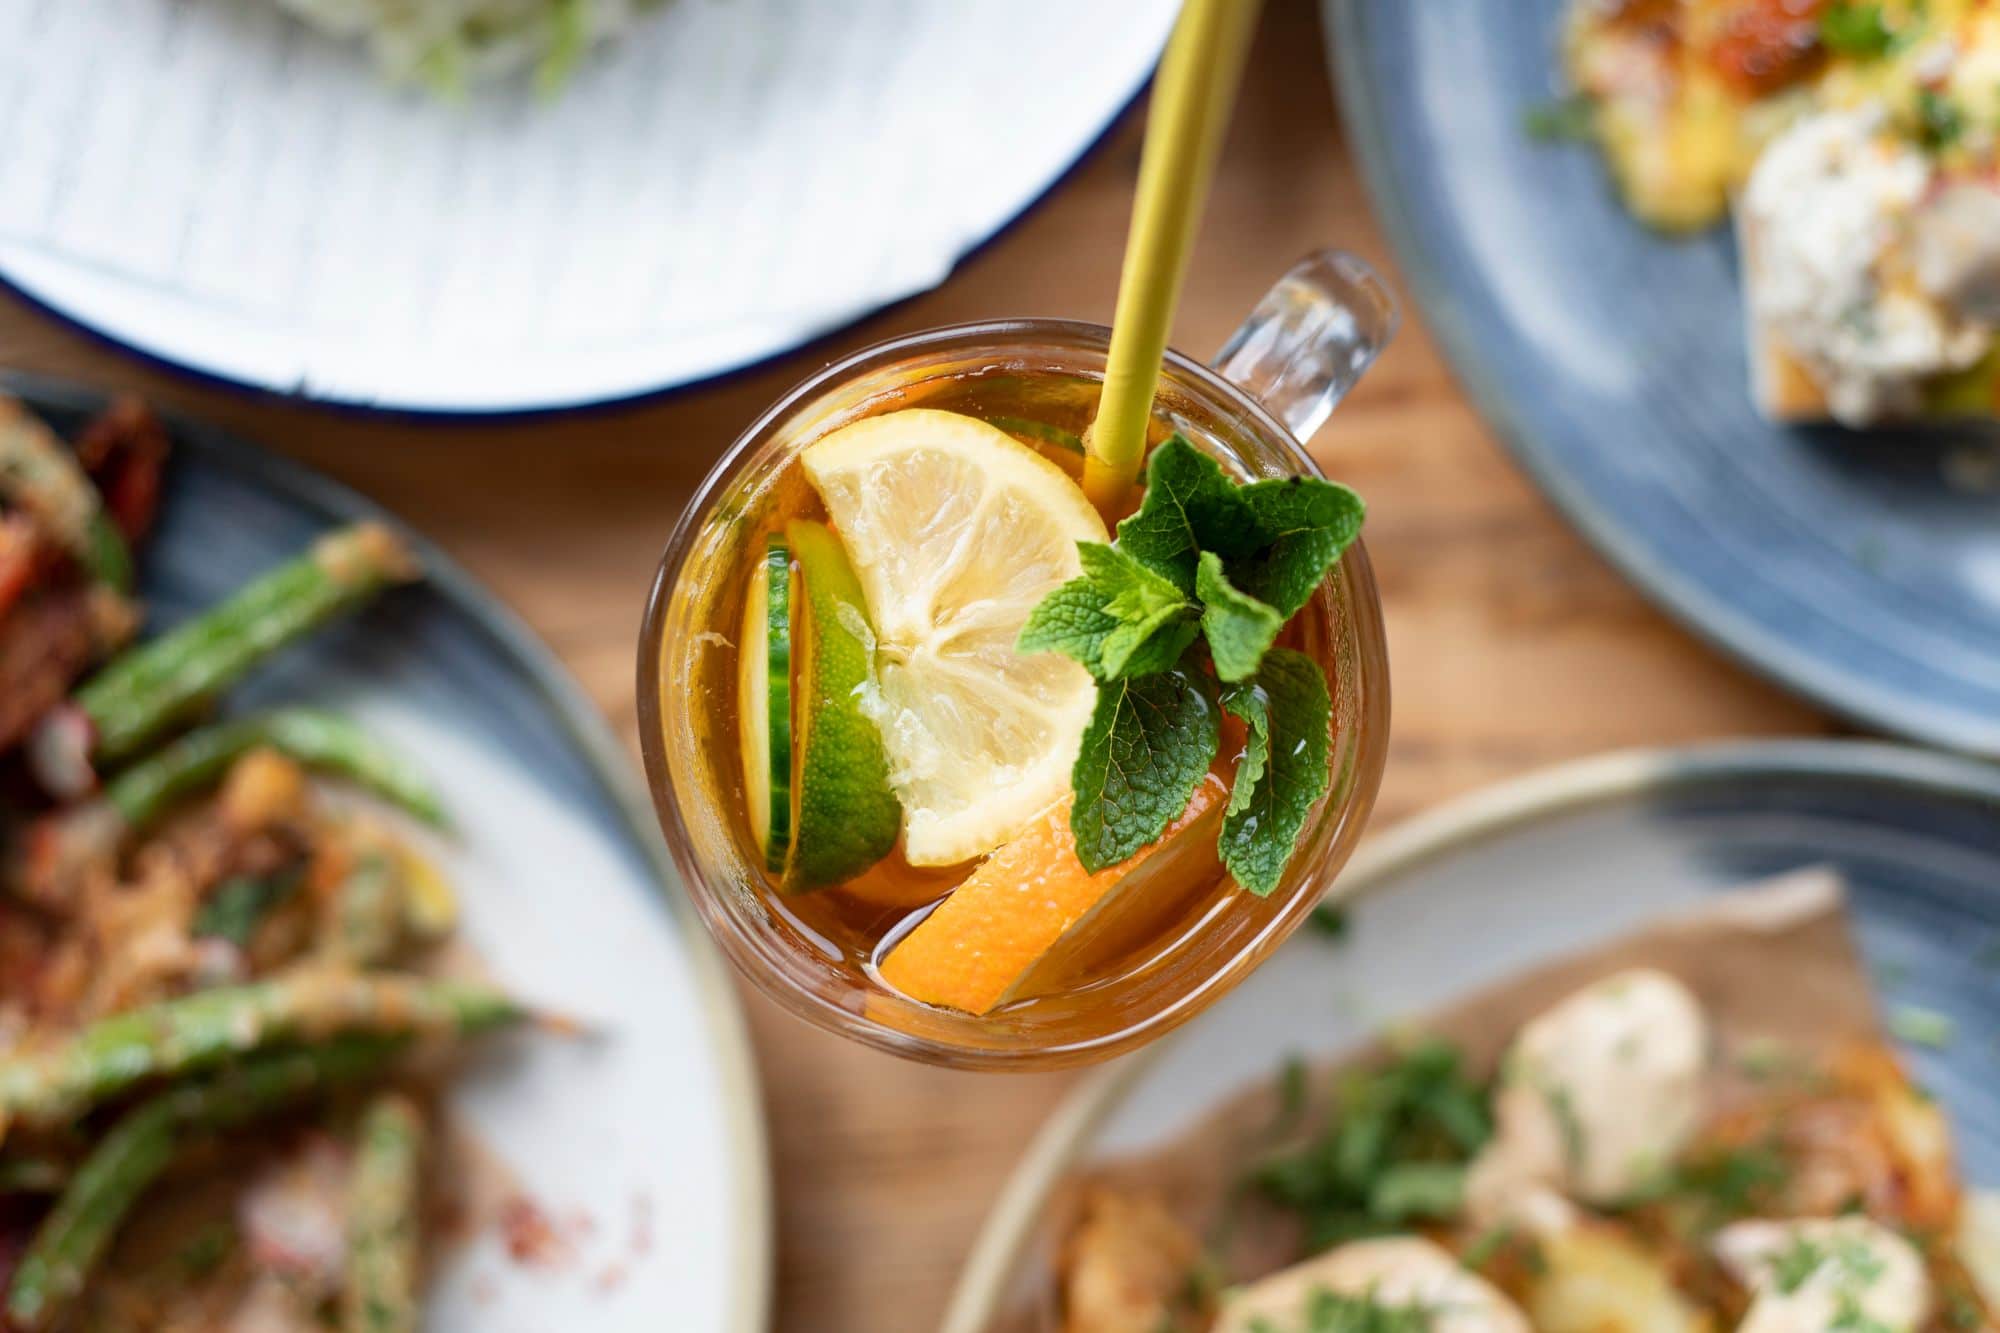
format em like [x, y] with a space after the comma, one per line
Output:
[1849, 567]
[653, 1133]
[1495, 884]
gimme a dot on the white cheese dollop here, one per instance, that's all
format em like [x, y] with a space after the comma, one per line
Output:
[1596, 1097]
[1826, 218]
[1817, 1275]
[1395, 1271]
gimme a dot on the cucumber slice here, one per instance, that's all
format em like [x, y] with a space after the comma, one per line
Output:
[764, 702]
[1039, 430]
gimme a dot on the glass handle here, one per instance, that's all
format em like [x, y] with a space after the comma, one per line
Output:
[1311, 338]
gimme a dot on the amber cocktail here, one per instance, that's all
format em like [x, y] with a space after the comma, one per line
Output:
[961, 765]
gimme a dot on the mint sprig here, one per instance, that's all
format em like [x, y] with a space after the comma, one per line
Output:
[1119, 619]
[1203, 558]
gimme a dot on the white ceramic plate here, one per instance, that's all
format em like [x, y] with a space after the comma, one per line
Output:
[213, 185]
[643, 1145]
[1498, 883]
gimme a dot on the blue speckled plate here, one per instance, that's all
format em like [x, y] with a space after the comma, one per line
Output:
[644, 1144]
[1495, 884]
[1611, 360]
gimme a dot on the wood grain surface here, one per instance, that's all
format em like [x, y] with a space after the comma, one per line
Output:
[1513, 645]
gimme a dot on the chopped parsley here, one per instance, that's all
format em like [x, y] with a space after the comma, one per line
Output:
[1849, 1317]
[1331, 1312]
[1940, 123]
[1852, 1265]
[1329, 921]
[1719, 1185]
[1395, 1150]
[1795, 1263]
[1565, 120]
[1858, 29]
[1575, 1148]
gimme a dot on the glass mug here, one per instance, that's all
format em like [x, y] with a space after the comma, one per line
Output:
[1274, 383]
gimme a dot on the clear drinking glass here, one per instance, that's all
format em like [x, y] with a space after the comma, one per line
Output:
[1274, 383]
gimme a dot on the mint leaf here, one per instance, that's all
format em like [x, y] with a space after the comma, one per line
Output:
[1072, 621]
[1118, 618]
[1285, 768]
[1239, 627]
[1303, 525]
[1148, 744]
[1155, 622]
[1190, 506]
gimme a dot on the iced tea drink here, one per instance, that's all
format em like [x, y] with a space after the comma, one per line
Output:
[954, 761]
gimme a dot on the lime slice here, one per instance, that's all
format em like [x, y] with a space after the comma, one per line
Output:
[847, 816]
[957, 530]
[764, 702]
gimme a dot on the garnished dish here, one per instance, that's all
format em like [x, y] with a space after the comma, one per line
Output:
[228, 994]
[1697, 1127]
[1857, 143]
[452, 45]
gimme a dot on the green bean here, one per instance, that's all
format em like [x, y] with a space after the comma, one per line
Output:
[132, 1155]
[194, 1032]
[368, 924]
[380, 1294]
[318, 740]
[158, 683]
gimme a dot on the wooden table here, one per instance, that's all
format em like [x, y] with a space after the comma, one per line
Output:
[1514, 645]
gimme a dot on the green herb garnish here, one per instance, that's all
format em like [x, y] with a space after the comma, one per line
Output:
[1229, 564]
[1940, 123]
[1565, 120]
[1331, 1312]
[1394, 1150]
[1330, 921]
[1851, 28]
[1849, 1317]
[1791, 1266]
[1719, 1185]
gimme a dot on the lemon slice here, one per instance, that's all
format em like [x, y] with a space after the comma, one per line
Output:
[956, 530]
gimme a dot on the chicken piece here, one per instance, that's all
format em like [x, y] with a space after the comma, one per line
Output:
[1818, 1275]
[1395, 1272]
[1597, 1096]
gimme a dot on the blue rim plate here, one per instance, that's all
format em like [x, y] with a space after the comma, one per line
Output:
[1611, 360]
[652, 1130]
[597, 365]
[1555, 863]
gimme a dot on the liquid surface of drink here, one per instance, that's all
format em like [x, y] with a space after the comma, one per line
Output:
[899, 772]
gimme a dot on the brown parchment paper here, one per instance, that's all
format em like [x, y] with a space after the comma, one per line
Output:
[1773, 965]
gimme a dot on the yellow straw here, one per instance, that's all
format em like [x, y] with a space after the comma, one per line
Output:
[1191, 101]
